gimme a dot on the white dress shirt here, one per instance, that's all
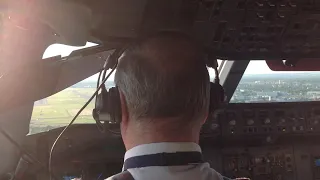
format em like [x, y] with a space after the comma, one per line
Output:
[200, 171]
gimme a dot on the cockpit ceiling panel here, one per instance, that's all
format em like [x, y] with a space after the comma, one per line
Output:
[230, 29]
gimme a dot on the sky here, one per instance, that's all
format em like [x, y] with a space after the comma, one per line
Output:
[63, 50]
[254, 67]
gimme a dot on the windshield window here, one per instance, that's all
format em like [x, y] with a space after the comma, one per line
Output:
[59, 109]
[260, 84]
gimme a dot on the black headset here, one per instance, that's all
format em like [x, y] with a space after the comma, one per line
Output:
[108, 106]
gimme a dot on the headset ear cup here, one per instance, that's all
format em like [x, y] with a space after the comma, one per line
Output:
[114, 105]
[217, 97]
[100, 104]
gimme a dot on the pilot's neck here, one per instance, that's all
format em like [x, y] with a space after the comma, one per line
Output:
[134, 138]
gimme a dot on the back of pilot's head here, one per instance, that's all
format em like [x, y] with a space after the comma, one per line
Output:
[164, 77]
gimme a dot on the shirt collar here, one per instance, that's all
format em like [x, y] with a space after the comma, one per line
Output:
[167, 147]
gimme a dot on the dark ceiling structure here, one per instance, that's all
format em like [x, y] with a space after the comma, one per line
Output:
[229, 29]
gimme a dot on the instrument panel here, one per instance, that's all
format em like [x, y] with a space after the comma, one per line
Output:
[274, 163]
[265, 119]
[289, 162]
[267, 141]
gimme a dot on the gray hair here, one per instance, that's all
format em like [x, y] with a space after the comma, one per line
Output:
[164, 76]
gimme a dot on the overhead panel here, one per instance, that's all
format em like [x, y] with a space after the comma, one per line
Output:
[260, 29]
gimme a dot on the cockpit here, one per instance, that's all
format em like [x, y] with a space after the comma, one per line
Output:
[267, 61]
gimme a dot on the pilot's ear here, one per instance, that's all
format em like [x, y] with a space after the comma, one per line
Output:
[124, 109]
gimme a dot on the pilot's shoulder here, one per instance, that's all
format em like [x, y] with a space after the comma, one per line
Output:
[210, 173]
[215, 175]
[125, 175]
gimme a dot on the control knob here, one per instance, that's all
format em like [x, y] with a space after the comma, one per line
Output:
[232, 122]
[267, 121]
[214, 126]
[282, 120]
[250, 122]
